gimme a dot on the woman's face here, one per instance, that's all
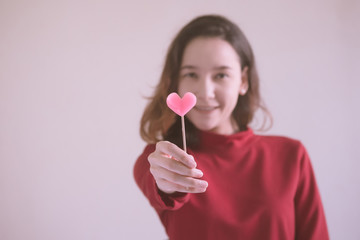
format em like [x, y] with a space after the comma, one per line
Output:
[211, 70]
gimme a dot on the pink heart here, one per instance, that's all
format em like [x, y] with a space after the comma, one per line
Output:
[181, 106]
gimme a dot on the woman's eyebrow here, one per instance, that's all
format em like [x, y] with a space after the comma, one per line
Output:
[216, 68]
[188, 67]
[222, 67]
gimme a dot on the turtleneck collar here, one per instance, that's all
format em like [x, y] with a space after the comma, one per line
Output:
[214, 140]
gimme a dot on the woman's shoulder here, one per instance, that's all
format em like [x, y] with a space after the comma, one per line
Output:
[276, 141]
[142, 163]
[148, 148]
[281, 145]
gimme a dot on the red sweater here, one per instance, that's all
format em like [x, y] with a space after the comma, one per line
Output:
[260, 187]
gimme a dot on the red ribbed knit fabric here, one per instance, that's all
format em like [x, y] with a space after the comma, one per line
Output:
[260, 187]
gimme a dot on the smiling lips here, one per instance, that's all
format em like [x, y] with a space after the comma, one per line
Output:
[205, 108]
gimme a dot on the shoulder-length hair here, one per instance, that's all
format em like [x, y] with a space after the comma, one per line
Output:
[159, 122]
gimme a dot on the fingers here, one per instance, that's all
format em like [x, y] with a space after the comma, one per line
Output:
[177, 179]
[174, 170]
[176, 166]
[171, 149]
[169, 187]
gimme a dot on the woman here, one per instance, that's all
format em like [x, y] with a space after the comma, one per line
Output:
[232, 183]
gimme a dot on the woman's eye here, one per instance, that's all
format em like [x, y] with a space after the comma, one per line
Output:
[221, 76]
[190, 75]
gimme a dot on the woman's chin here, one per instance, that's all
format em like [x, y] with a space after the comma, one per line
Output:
[205, 128]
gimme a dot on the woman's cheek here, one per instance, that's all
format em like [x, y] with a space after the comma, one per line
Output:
[186, 86]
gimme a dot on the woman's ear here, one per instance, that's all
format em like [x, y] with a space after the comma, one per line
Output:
[244, 85]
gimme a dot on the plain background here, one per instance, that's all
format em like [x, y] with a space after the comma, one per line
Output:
[72, 79]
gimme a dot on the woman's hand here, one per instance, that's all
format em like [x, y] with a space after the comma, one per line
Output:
[174, 170]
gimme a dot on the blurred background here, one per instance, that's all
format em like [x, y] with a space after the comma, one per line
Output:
[73, 75]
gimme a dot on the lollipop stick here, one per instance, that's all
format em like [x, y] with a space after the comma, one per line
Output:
[181, 106]
[183, 132]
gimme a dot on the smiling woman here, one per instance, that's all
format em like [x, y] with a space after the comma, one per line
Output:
[158, 122]
[211, 70]
[233, 184]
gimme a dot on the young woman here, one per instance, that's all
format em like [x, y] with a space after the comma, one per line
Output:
[232, 183]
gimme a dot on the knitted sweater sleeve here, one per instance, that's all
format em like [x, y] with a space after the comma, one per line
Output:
[309, 212]
[146, 182]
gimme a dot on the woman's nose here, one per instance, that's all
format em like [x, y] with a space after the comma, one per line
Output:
[206, 88]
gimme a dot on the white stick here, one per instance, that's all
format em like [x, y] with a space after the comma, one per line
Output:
[183, 132]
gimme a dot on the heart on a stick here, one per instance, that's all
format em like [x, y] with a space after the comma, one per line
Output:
[181, 106]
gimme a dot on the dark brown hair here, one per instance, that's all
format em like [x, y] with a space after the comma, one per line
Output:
[159, 122]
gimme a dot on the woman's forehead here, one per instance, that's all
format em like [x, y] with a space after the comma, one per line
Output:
[209, 53]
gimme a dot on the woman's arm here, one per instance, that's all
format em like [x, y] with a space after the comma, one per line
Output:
[310, 217]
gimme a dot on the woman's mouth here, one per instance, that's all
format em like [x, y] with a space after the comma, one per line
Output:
[206, 109]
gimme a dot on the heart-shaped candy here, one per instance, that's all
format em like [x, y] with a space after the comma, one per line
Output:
[181, 105]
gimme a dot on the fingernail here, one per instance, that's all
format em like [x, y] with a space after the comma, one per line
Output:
[203, 189]
[204, 184]
[193, 160]
[198, 172]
